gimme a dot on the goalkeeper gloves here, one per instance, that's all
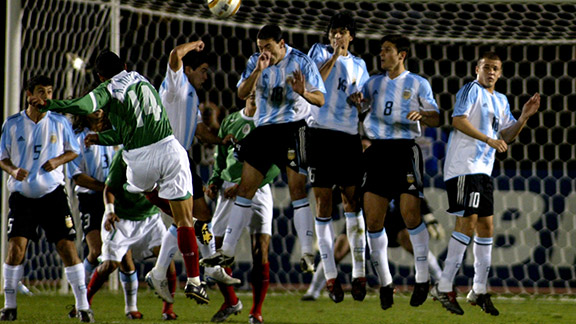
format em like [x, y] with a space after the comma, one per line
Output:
[434, 228]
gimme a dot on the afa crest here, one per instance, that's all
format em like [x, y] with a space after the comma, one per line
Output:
[406, 94]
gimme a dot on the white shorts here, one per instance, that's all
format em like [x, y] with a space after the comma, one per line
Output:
[139, 236]
[163, 164]
[262, 204]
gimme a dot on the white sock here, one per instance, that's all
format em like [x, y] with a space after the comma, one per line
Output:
[456, 248]
[12, 274]
[435, 270]
[356, 232]
[325, 235]
[130, 286]
[482, 261]
[168, 248]
[75, 276]
[419, 237]
[240, 215]
[318, 281]
[378, 244]
[304, 224]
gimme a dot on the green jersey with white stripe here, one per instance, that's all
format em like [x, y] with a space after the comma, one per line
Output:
[127, 205]
[134, 108]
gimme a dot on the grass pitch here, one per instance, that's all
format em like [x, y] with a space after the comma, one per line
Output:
[282, 307]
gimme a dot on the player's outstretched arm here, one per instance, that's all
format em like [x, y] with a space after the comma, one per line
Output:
[530, 108]
[110, 217]
[54, 163]
[462, 124]
[180, 51]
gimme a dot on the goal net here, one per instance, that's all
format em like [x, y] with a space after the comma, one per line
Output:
[535, 198]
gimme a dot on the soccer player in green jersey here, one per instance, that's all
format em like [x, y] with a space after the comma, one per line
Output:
[154, 158]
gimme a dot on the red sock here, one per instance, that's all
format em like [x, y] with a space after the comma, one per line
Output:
[95, 284]
[260, 283]
[230, 298]
[172, 282]
[189, 249]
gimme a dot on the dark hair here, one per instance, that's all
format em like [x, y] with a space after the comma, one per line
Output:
[489, 56]
[108, 64]
[194, 59]
[402, 43]
[343, 20]
[38, 80]
[270, 31]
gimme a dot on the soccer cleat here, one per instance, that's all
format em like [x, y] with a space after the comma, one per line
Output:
[310, 296]
[197, 292]
[8, 314]
[307, 263]
[335, 290]
[72, 313]
[225, 311]
[217, 258]
[255, 319]
[202, 231]
[358, 288]
[160, 287]
[419, 294]
[386, 297]
[134, 315]
[448, 300]
[484, 301]
[86, 316]
[220, 275]
[169, 316]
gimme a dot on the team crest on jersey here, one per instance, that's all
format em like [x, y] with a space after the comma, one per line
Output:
[406, 94]
[246, 129]
[53, 138]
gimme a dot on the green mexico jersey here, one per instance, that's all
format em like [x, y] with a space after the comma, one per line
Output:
[134, 108]
[226, 166]
[127, 205]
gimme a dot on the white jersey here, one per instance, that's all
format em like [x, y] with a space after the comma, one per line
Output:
[487, 112]
[29, 145]
[347, 77]
[182, 105]
[392, 100]
[93, 161]
[276, 100]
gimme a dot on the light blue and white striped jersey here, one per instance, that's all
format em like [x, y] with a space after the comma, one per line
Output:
[392, 100]
[29, 145]
[347, 77]
[182, 105]
[276, 101]
[487, 112]
[93, 161]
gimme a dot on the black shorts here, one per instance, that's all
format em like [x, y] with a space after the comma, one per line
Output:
[197, 183]
[279, 144]
[470, 194]
[392, 168]
[334, 158]
[91, 208]
[51, 212]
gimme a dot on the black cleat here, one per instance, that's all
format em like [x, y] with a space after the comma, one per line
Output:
[225, 311]
[484, 301]
[419, 294]
[358, 288]
[447, 299]
[216, 259]
[169, 316]
[86, 316]
[386, 297]
[335, 290]
[307, 263]
[198, 293]
[8, 314]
